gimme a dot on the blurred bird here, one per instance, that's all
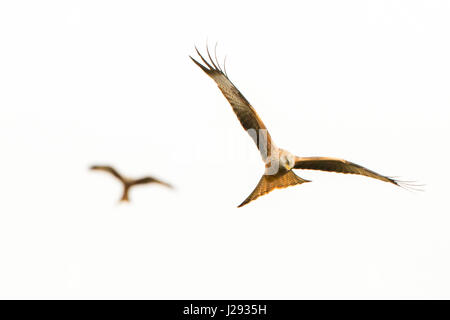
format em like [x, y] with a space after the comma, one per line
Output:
[127, 182]
[278, 162]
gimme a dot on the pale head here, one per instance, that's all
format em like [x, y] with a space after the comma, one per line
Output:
[287, 160]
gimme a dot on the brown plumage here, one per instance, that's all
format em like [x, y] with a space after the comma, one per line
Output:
[278, 162]
[338, 165]
[267, 183]
[128, 182]
[245, 113]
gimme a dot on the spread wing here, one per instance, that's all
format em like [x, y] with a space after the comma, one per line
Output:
[110, 170]
[147, 180]
[245, 113]
[344, 166]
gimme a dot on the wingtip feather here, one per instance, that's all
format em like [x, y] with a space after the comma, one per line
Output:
[206, 70]
[409, 185]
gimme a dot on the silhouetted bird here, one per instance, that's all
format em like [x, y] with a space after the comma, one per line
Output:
[127, 182]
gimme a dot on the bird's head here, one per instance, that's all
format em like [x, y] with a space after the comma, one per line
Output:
[287, 160]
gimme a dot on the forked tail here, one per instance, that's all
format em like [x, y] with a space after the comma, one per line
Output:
[282, 179]
[125, 194]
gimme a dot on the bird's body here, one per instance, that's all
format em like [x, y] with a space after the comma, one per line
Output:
[279, 159]
[278, 162]
[128, 182]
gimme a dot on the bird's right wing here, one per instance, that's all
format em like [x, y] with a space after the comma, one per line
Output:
[151, 180]
[245, 113]
[110, 170]
[344, 166]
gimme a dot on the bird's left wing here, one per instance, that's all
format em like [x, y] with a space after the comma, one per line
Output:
[109, 169]
[245, 113]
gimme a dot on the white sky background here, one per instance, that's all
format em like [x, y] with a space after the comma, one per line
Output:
[110, 82]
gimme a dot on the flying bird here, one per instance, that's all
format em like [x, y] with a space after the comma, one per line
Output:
[128, 182]
[278, 162]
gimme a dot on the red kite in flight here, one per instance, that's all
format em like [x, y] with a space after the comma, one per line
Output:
[278, 162]
[127, 182]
